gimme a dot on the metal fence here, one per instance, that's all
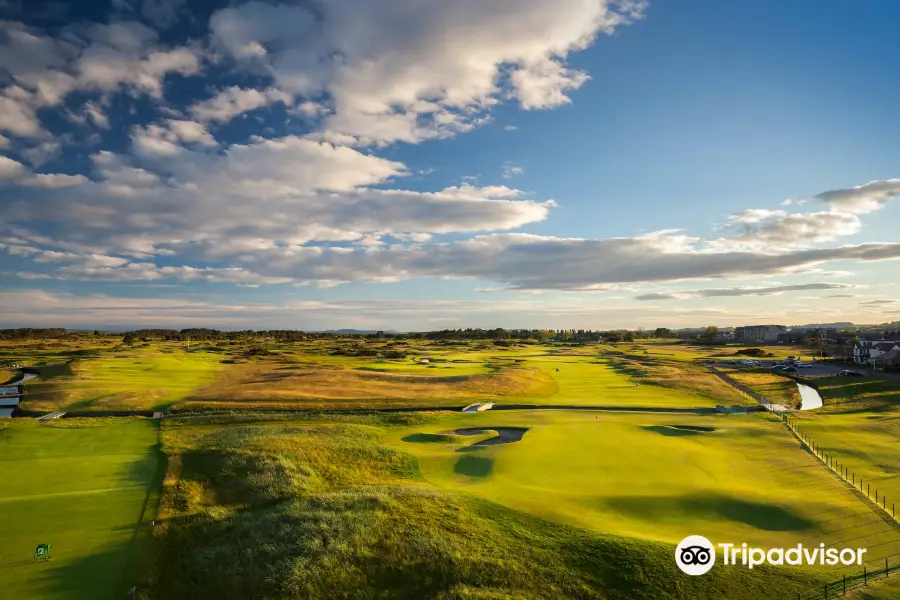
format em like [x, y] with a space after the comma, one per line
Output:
[857, 481]
[871, 572]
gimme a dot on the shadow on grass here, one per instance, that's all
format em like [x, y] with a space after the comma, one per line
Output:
[474, 466]
[767, 517]
[428, 438]
[679, 430]
[99, 575]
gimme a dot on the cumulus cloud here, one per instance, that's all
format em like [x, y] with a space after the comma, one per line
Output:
[864, 198]
[233, 101]
[764, 228]
[111, 57]
[281, 192]
[11, 169]
[387, 78]
[167, 139]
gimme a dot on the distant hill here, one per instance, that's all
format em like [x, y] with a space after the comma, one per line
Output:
[843, 325]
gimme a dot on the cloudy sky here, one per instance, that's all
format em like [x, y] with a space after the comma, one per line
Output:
[422, 164]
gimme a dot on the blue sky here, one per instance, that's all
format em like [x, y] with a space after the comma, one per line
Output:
[538, 163]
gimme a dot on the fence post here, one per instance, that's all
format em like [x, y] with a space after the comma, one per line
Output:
[887, 567]
[826, 591]
[865, 576]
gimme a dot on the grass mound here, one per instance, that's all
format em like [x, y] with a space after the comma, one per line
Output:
[307, 509]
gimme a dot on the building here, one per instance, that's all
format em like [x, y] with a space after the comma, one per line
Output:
[888, 360]
[865, 352]
[761, 334]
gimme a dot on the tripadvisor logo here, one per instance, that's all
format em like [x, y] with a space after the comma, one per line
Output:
[696, 555]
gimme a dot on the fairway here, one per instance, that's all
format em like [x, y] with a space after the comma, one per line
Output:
[83, 487]
[140, 379]
[653, 476]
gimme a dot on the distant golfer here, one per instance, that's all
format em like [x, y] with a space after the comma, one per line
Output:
[636, 383]
[557, 370]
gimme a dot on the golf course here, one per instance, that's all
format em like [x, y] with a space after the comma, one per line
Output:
[280, 471]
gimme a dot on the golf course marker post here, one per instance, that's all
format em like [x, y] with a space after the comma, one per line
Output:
[42, 552]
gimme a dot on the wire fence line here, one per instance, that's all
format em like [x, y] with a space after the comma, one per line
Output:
[882, 506]
[872, 571]
[759, 398]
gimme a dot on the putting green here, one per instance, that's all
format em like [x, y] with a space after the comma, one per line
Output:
[83, 489]
[653, 476]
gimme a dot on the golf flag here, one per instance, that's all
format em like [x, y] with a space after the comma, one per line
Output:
[42, 552]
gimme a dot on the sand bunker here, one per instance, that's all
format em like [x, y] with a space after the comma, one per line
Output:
[505, 435]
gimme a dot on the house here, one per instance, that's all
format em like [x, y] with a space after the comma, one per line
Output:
[761, 334]
[865, 352]
[888, 360]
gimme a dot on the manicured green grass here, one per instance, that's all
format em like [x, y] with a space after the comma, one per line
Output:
[652, 476]
[859, 426]
[133, 379]
[87, 489]
[344, 507]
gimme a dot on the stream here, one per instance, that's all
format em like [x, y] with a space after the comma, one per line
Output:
[809, 397]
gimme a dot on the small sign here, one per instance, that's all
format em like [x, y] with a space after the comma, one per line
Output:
[42, 552]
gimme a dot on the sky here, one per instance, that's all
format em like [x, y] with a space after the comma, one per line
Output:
[425, 164]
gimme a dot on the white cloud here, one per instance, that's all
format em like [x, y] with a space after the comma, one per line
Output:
[42, 153]
[83, 57]
[165, 140]
[233, 101]
[742, 291]
[511, 170]
[54, 180]
[96, 115]
[864, 198]
[761, 228]
[18, 118]
[387, 78]
[287, 191]
[11, 169]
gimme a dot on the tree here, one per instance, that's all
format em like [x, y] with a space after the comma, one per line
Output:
[128, 340]
[709, 333]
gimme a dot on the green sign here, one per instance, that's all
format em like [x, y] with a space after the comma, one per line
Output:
[42, 552]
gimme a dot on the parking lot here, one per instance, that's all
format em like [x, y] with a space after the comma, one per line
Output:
[823, 369]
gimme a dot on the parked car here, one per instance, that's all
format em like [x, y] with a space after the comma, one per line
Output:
[804, 365]
[789, 370]
[848, 373]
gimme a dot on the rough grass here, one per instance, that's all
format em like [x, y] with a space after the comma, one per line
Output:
[778, 389]
[325, 509]
[281, 384]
